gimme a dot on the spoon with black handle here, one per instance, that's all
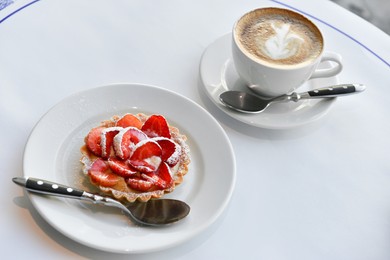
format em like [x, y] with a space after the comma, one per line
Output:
[155, 212]
[250, 103]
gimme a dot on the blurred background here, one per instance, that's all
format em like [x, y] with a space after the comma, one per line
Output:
[376, 12]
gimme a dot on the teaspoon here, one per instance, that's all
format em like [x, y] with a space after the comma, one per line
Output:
[250, 103]
[151, 213]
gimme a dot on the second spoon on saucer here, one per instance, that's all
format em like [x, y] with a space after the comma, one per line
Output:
[249, 103]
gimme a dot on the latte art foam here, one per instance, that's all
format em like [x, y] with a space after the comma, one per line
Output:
[283, 44]
[278, 37]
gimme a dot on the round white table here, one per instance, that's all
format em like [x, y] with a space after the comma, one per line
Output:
[317, 191]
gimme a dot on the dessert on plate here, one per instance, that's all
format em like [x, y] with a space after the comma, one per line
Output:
[134, 157]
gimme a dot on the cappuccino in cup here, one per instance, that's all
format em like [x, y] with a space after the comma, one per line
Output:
[279, 37]
[276, 50]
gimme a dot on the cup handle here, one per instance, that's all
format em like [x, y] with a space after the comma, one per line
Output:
[332, 71]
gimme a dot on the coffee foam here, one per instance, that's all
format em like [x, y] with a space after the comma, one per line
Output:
[279, 37]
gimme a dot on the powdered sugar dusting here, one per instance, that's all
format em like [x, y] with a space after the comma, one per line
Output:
[175, 156]
[118, 140]
[104, 138]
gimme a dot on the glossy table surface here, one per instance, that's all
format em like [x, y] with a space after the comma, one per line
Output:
[318, 191]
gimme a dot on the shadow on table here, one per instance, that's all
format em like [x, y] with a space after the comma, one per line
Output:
[91, 253]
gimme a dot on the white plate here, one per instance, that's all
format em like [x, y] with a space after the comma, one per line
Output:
[218, 74]
[52, 153]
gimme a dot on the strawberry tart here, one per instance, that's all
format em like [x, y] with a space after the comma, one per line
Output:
[135, 157]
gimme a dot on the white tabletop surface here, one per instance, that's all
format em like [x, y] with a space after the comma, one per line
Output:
[320, 191]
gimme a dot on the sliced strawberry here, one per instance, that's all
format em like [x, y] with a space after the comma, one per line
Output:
[146, 156]
[120, 167]
[107, 139]
[93, 140]
[156, 125]
[139, 185]
[161, 178]
[125, 141]
[170, 150]
[101, 174]
[129, 120]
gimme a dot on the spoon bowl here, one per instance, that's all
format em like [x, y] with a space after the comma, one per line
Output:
[155, 212]
[244, 102]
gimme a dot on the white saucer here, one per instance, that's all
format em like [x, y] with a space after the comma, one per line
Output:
[218, 74]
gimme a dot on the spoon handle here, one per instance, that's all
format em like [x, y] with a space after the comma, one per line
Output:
[56, 189]
[334, 91]
[47, 187]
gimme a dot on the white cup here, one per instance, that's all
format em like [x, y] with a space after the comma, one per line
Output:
[276, 50]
